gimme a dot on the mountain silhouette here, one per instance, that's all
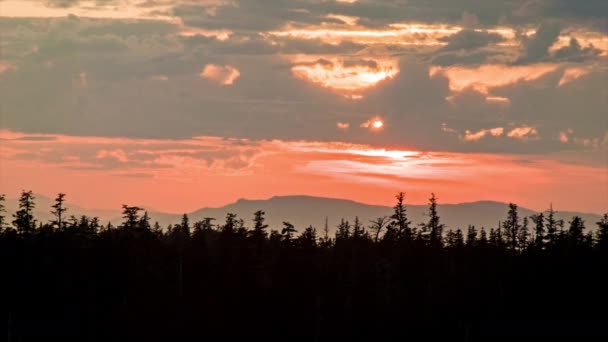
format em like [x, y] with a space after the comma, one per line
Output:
[303, 211]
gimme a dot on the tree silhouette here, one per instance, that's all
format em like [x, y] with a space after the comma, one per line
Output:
[523, 236]
[377, 225]
[343, 231]
[471, 237]
[400, 225]
[575, 232]
[185, 225]
[358, 229]
[602, 234]
[552, 226]
[539, 230]
[259, 227]
[308, 238]
[130, 215]
[92, 282]
[434, 227]
[288, 232]
[2, 211]
[23, 219]
[58, 210]
[512, 226]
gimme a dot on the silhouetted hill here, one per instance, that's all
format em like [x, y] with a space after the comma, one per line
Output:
[303, 211]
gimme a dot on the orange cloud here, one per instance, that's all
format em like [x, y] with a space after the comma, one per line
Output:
[571, 74]
[395, 34]
[485, 77]
[475, 136]
[225, 75]
[523, 133]
[342, 75]
[343, 125]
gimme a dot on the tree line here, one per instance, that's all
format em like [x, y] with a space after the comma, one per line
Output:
[75, 277]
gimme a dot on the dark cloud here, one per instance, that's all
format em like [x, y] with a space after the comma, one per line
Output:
[536, 47]
[468, 39]
[574, 52]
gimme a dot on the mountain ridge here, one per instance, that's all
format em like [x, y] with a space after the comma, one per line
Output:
[305, 210]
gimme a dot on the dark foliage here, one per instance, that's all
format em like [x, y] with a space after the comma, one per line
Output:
[75, 279]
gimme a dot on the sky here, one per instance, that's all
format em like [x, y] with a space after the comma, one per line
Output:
[180, 104]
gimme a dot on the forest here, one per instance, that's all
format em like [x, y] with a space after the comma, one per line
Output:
[76, 278]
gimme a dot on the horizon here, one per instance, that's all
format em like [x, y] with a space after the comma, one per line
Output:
[266, 199]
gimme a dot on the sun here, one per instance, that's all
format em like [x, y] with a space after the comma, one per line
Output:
[377, 124]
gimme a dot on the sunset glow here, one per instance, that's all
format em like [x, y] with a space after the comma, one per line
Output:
[129, 167]
[344, 75]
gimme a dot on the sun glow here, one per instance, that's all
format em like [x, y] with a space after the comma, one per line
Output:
[349, 77]
[377, 124]
[374, 124]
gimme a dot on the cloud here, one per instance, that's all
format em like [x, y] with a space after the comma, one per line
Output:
[523, 133]
[342, 125]
[485, 77]
[470, 39]
[537, 46]
[225, 75]
[475, 136]
[573, 52]
[571, 74]
[342, 74]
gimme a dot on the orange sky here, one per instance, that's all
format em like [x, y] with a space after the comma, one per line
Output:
[183, 175]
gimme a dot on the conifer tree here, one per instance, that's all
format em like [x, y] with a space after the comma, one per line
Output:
[551, 226]
[308, 238]
[2, 211]
[602, 234]
[471, 237]
[358, 229]
[259, 227]
[343, 231]
[575, 232]
[230, 225]
[58, 210]
[185, 225]
[287, 232]
[512, 226]
[144, 222]
[539, 230]
[130, 215]
[483, 237]
[433, 226]
[24, 218]
[400, 222]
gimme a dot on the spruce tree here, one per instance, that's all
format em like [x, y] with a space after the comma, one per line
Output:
[471, 236]
[58, 210]
[2, 211]
[602, 234]
[259, 227]
[24, 220]
[433, 226]
[539, 230]
[400, 221]
[130, 215]
[512, 227]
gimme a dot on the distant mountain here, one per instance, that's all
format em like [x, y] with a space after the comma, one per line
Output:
[303, 211]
